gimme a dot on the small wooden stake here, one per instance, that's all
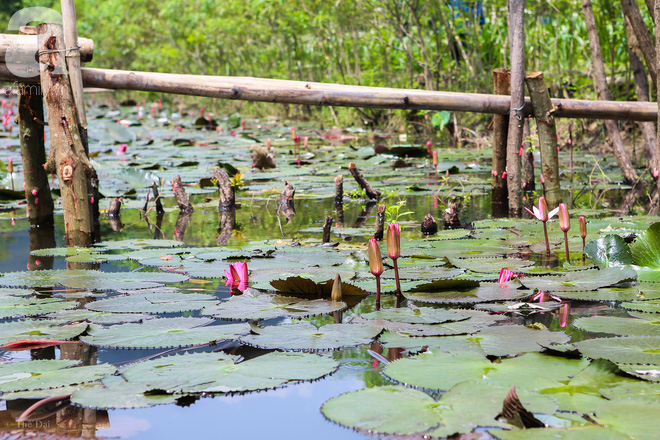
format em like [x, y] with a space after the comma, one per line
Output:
[67, 154]
[157, 201]
[227, 198]
[339, 189]
[326, 229]
[181, 196]
[380, 222]
[286, 201]
[429, 225]
[115, 207]
[359, 178]
[545, 126]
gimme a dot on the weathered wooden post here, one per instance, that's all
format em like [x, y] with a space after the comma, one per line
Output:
[67, 155]
[31, 132]
[514, 138]
[499, 202]
[545, 126]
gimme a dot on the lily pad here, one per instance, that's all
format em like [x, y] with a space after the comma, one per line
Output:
[153, 303]
[651, 306]
[306, 337]
[590, 279]
[163, 333]
[611, 250]
[415, 315]
[253, 305]
[18, 307]
[23, 376]
[116, 392]
[33, 329]
[623, 350]
[618, 325]
[508, 340]
[222, 373]
[484, 293]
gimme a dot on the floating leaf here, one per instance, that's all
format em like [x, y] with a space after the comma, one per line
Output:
[305, 336]
[623, 350]
[96, 317]
[95, 280]
[484, 293]
[508, 340]
[618, 325]
[611, 250]
[22, 376]
[591, 279]
[116, 392]
[490, 266]
[153, 303]
[254, 306]
[651, 306]
[384, 410]
[646, 248]
[220, 373]
[18, 307]
[572, 433]
[163, 333]
[32, 329]
[309, 289]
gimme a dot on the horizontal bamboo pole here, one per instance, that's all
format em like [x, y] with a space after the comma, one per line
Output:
[25, 47]
[322, 94]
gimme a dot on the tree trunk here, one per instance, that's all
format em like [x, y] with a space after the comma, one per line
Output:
[67, 155]
[642, 92]
[655, 199]
[600, 80]
[227, 198]
[545, 126]
[33, 152]
[499, 202]
[632, 13]
[514, 139]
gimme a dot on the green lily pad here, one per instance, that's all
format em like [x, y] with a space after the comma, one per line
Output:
[221, 373]
[6, 291]
[611, 250]
[96, 317]
[590, 279]
[572, 433]
[493, 266]
[415, 315]
[95, 280]
[163, 333]
[116, 392]
[508, 340]
[651, 306]
[18, 307]
[39, 278]
[613, 294]
[253, 305]
[305, 336]
[384, 410]
[623, 350]
[483, 293]
[23, 376]
[646, 248]
[33, 329]
[618, 325]
[153, 303]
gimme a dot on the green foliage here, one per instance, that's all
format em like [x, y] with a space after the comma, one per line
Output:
[440, 120]
[393, 213]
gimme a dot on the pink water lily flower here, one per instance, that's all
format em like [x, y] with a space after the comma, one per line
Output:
[237, 275]
[507, 275]
[541, 213]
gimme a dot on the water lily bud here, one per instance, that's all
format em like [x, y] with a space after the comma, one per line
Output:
[375, 259]
[583, 226]
[335, 295]
[564, 218]
[543, 209]
[243, 124]
[393, 241]
[435, 158]
[293, 133]
[10, 165]
[268, 143]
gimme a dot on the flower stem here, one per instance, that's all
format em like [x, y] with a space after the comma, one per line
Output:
[547, 243]
[377, 292]
[396, 276]
[568, 259]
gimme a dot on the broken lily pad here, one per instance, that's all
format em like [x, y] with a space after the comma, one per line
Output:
[163, 333]
[305, 336]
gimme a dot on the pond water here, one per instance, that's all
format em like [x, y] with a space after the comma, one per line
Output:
[474, 253]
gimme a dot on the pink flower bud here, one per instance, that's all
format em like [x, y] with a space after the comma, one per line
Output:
[564, 218]
[34, 192]
[504, 175]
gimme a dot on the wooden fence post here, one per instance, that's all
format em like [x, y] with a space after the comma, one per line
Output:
[67, 155]
[545, 126]
[31, 131]
[499, 202]
[516, 116]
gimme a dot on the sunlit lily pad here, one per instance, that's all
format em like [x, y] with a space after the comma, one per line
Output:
[305, 336]
[163, 333]
[253, 306]
[116, 392]
[618, 325]
[44, 329]
[623, 350]
[611, 250]
[39, 278]
[220, 373]
[508, 340]
[415, 315]
[153, 303]
[483, 293]
[651, 306]
[613, 294]
[18, 307]
[96, 317]
[121, 280]
[35, 375]
[590, 279]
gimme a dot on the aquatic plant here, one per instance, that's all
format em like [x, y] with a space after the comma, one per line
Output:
[375, 264]
[565, 225]
[542, 214]
[237, 275]
[393, 238]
